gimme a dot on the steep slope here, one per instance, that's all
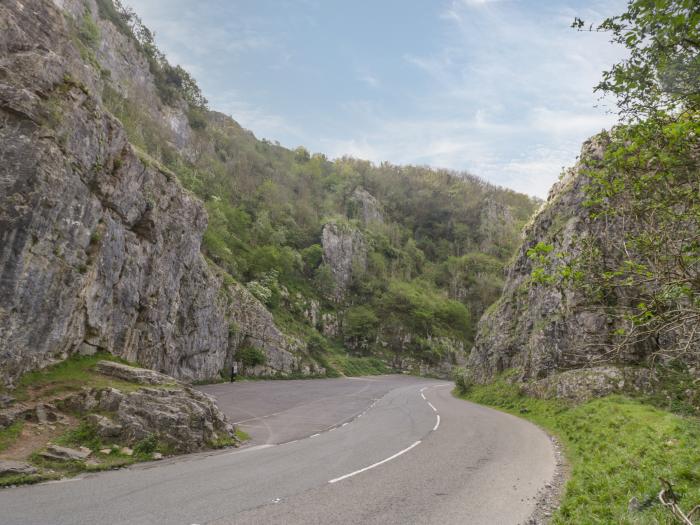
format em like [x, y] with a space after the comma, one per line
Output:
[584, 311]
[100, 244]
[115, 176]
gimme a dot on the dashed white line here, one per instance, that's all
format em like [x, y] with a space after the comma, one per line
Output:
[345, 424]
[314, 435]
[431, 406]
[422, 395]
[437, 424]
[335, 480]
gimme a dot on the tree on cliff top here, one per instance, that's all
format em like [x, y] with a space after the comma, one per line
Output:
[662, 72]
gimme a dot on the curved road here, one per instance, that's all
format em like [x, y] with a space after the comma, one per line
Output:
[387, 449]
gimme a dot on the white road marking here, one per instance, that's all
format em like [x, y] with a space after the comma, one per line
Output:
[315, 435]
[422, 395]
[344, 424]
[250, 449]
[423, 389]
[335, 480]
[437, 424]
[431, 406]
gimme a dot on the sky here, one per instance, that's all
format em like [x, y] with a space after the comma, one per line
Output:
[502, 89]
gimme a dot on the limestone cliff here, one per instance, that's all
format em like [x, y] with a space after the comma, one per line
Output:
[100, 245]
[345, 252]
[542, 328]
[561, 335]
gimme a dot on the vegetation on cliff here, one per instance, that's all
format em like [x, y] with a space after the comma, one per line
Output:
[434, 242]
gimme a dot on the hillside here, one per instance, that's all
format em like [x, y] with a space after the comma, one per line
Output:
[138, 222]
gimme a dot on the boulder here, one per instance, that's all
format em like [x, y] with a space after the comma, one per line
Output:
[11, 468]
[133, 374]
[106, 428]
[182, 418]
[57, 453]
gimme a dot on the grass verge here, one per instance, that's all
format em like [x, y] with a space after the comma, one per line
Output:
[618, 448]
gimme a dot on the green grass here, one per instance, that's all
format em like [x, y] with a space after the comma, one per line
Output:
[10, 434]
[358, 366]
[27, 479]
[242, 435]
[618, 448]
[69, 376]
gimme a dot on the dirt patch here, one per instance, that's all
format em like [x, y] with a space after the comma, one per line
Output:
[35, 436]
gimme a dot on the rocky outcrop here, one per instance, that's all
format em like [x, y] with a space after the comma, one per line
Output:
[364, 206]
[132, 374]
[252, 325]
[539, 327]
[586, 383]
[345, 252]
[184, 419]
[99, 244]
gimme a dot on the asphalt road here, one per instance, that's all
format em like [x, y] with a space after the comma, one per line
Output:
[387, 450]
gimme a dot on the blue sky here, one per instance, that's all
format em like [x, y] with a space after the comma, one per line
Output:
[500, 88]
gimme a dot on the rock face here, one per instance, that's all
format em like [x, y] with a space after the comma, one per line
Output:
[542, 328]
[586, 383]
[99, 244]
[365, 207]
[344, 250]
[252, 325]
[183, 418]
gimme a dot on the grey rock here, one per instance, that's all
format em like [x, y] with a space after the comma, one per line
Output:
[365, 207]
[106, 428]
[254, 326]
[544, 329]
[586, 383]
[6, 401]
[345, 252]
[132, 374]
[99, 246]
[183, 418]
[10, 468]
[15, 412]
[57, 453]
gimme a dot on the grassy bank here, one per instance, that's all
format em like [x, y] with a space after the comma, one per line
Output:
[618, 448]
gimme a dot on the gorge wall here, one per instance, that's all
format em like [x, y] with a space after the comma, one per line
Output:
[136, 221]
[100, 245]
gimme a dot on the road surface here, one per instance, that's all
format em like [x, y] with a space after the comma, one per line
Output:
[384, 450]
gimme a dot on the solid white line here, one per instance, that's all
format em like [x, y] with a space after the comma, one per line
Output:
[376, 464]
[250, 449]
[431, 406]
[344, 424]
[315, 435]
[437, 424]
[422, 395]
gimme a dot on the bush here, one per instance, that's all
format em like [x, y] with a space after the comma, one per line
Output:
[251, 356]
[146, 446]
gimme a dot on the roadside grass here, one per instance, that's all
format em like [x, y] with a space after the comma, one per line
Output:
[618, 449]
[358, 366]
[10, 434]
